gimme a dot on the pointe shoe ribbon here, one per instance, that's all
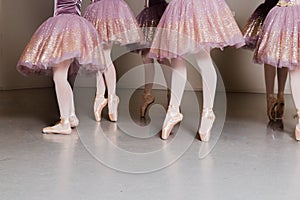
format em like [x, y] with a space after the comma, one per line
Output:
[207, 121]
[173, 117]
[99, 104]
[63, 127]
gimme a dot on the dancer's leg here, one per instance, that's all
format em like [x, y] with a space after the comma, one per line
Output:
[166, 68]
[64, 96]
[209, 82]
[177, 85]
[270, 73]
[111, 80]
[148, 99]
[295, 84]
[281, 77]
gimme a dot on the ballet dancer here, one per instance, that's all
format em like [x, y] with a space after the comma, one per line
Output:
[61, 44]
[194, 27]
[148, 20]
[115, 23]
[278, 45]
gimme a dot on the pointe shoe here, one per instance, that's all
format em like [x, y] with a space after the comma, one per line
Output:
[113, 102]
[279, 107]
[271, 107]
[297, 129]
[148, 99]
[168, 95]
[297, 133]
[99, 104]
[173, 117]
[74, 121]
[207, 121]
[63, 127]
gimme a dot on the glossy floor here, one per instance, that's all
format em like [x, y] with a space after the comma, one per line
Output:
[127, 160]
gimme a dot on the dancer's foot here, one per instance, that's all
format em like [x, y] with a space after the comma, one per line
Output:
[74, 121]
[148, 99]
[207, 121]
[173, 117]
[99, 104]
[113, 102]
[271, 106]
[280, 107]
[297, 129]
[63, 127]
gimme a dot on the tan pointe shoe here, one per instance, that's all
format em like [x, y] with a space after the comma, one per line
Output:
[173, 117]
[207, 121]
[63, 127]
[297, 133]
[148, 99]
[74, 121]
[271, 106]
[279, 107]
[99, 104]
[168, 96]
[113, 102]
[297, 129]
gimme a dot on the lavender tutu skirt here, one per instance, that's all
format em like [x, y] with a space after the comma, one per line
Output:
[189, 25]
[114, 22]
[254, 24]
[148, 20]
[278, 43]
[61, 38]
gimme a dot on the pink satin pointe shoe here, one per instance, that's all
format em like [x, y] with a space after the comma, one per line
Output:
[173, 117]
[113, 102]
[207, 121]
[63, 127]
[148, 99]
[99, 104]
[297, 129]
[74, 121]
[297, 132]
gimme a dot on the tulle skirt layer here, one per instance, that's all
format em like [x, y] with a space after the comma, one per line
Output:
[278, 43]
[114, 22]
[61, 38]
[148, 20]
[189, 25]
[253, 27]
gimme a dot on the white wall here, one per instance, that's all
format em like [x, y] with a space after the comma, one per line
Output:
[20, 18]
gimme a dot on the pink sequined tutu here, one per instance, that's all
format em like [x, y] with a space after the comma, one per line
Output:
[278, 44]
[254, 24]
[189, 25]
[148, 20]
[114, 21]
[63, 37]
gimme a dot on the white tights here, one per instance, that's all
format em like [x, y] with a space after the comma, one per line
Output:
[295, 85]
[63, 89]
[150, 71]
[209, 79]
[108, 78]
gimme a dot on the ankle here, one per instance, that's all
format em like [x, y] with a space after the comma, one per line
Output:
[99, 96]
[270, 96]
[173, 108]
[206, 112]
[64, 121]
[280, 95]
